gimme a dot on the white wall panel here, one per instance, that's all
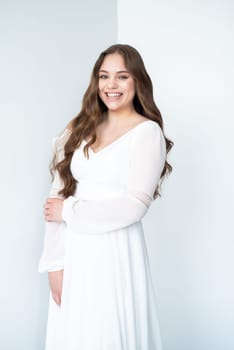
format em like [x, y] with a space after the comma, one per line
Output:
[188, 49]
[47, 52]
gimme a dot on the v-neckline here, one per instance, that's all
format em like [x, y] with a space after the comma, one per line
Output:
[118, 138]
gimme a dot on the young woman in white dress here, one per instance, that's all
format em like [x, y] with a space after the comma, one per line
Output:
[108, 166]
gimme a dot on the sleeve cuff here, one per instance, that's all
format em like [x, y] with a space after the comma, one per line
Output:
[67, 211]
[50, 266]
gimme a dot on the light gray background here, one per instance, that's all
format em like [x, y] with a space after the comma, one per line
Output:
[188, 48]
[47, 52]
[48, 49]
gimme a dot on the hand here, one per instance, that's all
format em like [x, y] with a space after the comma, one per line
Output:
[56, 285]
[53, 209]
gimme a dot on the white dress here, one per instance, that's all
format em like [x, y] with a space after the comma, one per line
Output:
[108, 300]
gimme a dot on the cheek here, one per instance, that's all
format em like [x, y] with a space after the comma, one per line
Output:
[100, 85]
[131, 87]
[100, 91]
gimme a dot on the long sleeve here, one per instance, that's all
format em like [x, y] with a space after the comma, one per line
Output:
[147, 154]
[52, 257]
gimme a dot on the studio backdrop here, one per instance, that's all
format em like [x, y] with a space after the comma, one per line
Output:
[48, 49]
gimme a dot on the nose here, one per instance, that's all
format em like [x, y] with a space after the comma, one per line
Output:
[112, 83]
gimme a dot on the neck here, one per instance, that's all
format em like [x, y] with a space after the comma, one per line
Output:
[120, 116]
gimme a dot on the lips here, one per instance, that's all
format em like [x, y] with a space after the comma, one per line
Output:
[113, 94]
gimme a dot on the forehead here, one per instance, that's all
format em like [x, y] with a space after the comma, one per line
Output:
[113, 62]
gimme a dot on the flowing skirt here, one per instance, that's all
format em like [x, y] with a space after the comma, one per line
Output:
[108, 300]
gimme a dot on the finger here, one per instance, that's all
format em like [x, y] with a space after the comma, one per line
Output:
[52, 200]
[47, 215]
[49, 218]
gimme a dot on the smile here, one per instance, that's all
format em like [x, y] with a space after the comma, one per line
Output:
[113, 94]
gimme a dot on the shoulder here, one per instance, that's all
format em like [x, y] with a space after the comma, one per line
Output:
[59, 140]
[148, 127]
[64, 134]
[69, 125]
[148, 134]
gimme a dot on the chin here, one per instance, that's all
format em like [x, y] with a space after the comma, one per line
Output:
[118, 106]
[115, 109]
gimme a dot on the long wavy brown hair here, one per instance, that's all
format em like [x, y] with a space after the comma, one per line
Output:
[93, 112]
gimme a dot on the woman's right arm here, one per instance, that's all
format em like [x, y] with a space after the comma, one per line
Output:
[52, 257]
[54, 239]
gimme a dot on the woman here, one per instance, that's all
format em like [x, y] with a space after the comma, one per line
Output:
[108, 167]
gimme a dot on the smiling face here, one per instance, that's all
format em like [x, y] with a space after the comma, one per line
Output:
[116, 86]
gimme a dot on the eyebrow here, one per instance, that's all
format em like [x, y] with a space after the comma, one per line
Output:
[120, 71]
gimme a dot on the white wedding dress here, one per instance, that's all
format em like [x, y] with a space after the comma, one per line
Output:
[108, 300]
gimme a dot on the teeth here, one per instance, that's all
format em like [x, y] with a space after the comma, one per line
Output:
[113, 94]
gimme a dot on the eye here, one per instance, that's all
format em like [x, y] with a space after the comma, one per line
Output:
[103, 76]
[122, 77]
